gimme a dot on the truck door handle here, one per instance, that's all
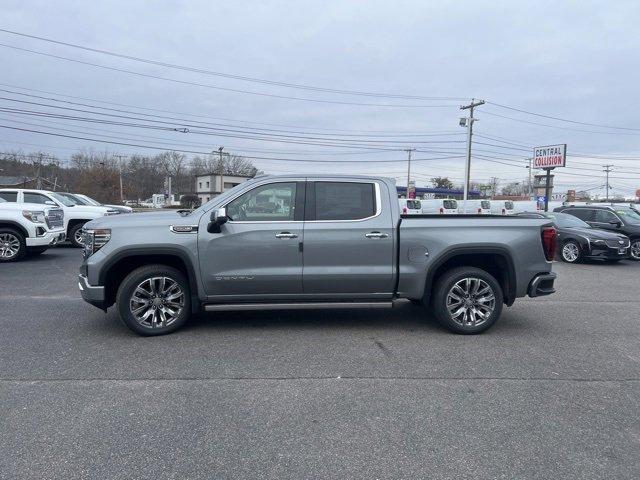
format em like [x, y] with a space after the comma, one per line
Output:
[286, 235]
[376, 235]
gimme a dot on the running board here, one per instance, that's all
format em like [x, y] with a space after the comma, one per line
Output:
[217, 307]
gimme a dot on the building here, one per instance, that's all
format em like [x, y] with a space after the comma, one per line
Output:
[210, 185]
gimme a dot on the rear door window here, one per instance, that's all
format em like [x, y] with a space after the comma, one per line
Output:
[508, 205]
[586, 214]
[450, 204]
[485, 205]
[344, 201]
[414, 204]
[605, 216]
[9, 196]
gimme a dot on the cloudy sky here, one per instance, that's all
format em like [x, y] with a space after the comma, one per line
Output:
[344, 85]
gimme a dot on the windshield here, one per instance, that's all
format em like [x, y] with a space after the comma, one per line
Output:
[564, 220]
[64, 200]
[75, 199]
[88, 200]
[629, 215]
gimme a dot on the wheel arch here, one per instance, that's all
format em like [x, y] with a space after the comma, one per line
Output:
[496, 261]
[117, 268]
[16, 226]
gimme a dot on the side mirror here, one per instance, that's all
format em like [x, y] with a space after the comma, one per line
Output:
[218, 218]
[51, 202]
[616, 223]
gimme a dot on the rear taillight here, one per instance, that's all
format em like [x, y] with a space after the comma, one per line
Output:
[504, 212]
[549, 236]
[441, 210]
[404, 210]
[479, 211]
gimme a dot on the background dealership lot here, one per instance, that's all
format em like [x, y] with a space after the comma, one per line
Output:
[551, 391]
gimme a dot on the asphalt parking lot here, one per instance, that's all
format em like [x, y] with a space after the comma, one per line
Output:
[552, 391]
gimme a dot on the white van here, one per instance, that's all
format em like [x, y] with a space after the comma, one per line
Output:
[442, 206]
[475, 207]
[410, 206]
[502, 207]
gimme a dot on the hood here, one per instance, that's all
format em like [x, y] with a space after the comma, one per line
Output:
[147, 219]
[88, 209]
[596, 233]
[120, 208]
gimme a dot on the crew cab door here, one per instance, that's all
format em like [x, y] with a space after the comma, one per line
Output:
[257, 254]
[348, 239]
[606, 220]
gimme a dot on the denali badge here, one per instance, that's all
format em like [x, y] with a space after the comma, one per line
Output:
[183, 228]
[234, 277]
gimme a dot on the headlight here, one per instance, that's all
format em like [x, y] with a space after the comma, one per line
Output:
[33, 215]
[94, 239]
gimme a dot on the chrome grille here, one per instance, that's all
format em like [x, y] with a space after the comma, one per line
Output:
[618, 243]
[55, 218]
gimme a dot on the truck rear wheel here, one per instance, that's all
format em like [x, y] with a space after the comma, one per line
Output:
[12, 245]
[467, 300]
[154, 300]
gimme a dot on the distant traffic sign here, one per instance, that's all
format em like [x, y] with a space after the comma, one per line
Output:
[551, 156]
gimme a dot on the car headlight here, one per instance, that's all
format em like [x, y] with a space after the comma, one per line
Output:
[94, 239]
[35, 216]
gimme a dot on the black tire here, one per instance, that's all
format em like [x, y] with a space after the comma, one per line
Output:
[131, 283]
[634, 249]
[71, 235]
[446, 283]
[8, 239]
[570, 246]
[35, 251]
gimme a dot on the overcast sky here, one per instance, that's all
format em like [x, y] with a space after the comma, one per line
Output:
[578, 61]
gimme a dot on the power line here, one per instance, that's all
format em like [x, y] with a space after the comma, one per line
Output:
[231, 76]
[215, 87]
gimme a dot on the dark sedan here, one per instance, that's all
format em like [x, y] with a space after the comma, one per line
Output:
[577, 240]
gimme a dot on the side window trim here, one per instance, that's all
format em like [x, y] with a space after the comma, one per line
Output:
[299, 202]
[310, 208]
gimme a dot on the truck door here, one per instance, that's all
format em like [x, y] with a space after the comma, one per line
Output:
[348, 239]
[257, 254]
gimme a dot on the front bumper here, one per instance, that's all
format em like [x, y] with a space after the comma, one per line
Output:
[603, 252]
[542, 285]
[49, 238]
[91, 294]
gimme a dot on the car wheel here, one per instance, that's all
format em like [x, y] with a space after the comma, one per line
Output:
[75, 235]
[154, 300]
[634, 249]
[467, 300]
[570, 252]
[34, 251]
[12, 245]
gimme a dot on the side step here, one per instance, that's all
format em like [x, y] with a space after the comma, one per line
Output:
[217, 307]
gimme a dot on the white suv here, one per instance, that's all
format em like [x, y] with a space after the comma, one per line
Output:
[28, 229]
[75, 216]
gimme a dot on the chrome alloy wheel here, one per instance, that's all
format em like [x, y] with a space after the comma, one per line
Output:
[570, 252]
[9, 246]
[78, 236]
[634, 250]
[157, 302]
[470, 302]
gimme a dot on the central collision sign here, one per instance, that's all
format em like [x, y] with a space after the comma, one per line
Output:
[551, 156]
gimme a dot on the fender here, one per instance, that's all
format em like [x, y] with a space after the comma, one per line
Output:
[16, 225]
[452, 252]
[150, 252]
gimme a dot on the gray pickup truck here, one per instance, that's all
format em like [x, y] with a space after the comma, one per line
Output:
[295, 242]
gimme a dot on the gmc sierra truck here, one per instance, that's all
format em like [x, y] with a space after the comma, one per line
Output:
[296, 242]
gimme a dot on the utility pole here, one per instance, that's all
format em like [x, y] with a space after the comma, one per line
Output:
[607, 169]
[494, 185]
[221, 170]
[409, 150]
[120, 157]
[468, 122]
[529, 185]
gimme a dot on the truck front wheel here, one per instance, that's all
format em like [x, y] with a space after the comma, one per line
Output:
[12, 245]
[467, 300]
[154, 300]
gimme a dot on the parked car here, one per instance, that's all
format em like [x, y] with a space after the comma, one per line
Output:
[440, 206]
[85, 200]
[28, 229]
[338, 242]
[475, 207]
[410, 206]
[619, 219]
[75, 216]
[577, 240]
[502, 207]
